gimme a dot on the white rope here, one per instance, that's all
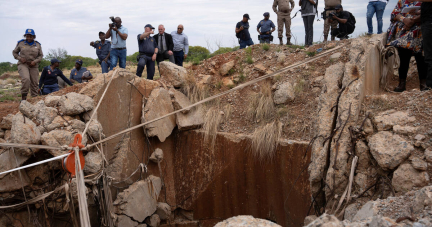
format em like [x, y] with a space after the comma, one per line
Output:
[35, 164]
[82, 201]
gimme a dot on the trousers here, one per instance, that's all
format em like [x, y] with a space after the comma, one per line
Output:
[146, 61]
[426, 28]
[308, 23]
[284, 18]
[29, 79]
[179, 57]
[327, 23]
[50, 89]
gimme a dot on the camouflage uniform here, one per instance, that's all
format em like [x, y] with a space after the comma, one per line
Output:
[330, 4]
[283, 10]
[29, 74]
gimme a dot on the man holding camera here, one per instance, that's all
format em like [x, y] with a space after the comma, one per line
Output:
[329, 8]
[346, 23]
[242, 32]
[283, 10]
[267, 27]
[103, 49]
[147, 52]
[118, 35]
[165, 45]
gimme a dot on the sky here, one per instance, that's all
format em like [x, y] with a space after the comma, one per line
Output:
[72, 25]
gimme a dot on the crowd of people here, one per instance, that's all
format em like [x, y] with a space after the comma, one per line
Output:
[410, 32]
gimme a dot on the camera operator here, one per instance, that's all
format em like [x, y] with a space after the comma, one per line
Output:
[118, 35]
[242, 32]
[329, 8]
[267, 27]
[346, 23]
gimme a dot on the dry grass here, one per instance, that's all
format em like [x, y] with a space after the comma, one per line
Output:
[11, 81]
[265, 140]
[194, 91]
[261, 104]
[212, 120]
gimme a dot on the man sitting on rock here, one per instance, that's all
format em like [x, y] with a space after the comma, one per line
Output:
[80, 74]
[148, 50]
[48, 82]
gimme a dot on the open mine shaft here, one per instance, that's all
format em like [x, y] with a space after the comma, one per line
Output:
[289, 139]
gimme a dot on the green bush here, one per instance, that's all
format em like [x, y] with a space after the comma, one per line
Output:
[133, 57]
[266, 46]
[197, 53]
[249, 60]
[7, 67]
[311, 54]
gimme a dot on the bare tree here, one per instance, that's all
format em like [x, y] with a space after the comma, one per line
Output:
[59, 53]
[208, 43]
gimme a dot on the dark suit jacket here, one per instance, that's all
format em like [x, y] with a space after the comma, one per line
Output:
[168, 40]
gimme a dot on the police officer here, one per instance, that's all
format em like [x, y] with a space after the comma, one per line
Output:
[267, 27]
[103, 49]
[80, 74]
[283, 10]
[48, 82]
[28, 52]
[147, 52]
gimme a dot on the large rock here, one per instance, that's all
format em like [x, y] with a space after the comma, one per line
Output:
[406, 177]
[52, 101]
[153, 221]
[368, 210]
[351, 211]
[326, 220]
[159, 104]
[93, 162]
[389, 149]
[24, 131]
[192, 120]
[180, 101]
[74, 103]
[225, 68]
[428, 154]
[78, 125]
[145, 86]
[140, 199]
[422, 199]
[419, 164]
[6, 122]
[386, 120]
[27, 109]
[324, 121]
[245, 221]
[125, 221]
[58, 138]
[12, 181]
[284, 93]
[58, 122]
[309, 219]
[157, 156]
[95, 130]
[163, 210]
[405, 130]
[45, 115]
[174, 74]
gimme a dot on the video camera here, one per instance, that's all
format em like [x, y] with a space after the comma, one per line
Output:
[113, 24]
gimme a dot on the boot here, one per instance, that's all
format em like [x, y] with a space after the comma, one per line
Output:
[401, 87]
[280, 41]
[289, 41]
[23, 97]
[325, 39]
[423, 86]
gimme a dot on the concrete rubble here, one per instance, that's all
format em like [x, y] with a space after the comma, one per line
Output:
[245, 221]
[172, 73]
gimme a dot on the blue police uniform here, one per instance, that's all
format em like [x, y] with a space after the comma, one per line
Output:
[102, 51]
[48, 81]
[147, 48]
[266, 26]
[77, 74]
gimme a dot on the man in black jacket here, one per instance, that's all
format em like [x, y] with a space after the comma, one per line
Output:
[346, 23]
[165, 45]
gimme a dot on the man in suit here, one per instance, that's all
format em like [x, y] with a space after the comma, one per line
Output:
[165, 45]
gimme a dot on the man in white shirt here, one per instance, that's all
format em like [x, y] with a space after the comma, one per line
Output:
[378, 7]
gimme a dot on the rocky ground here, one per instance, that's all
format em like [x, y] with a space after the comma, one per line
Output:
[387, 135]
